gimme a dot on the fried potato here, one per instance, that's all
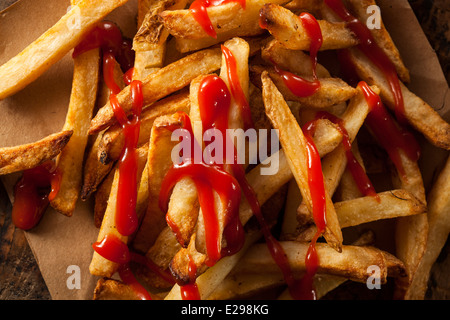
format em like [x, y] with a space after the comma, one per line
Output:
[100, 266]
[149, 43]
[295, 61]
[161, 83]
[159, 162]
[311, 6]
[438, 229]
[228, 18]
[110, 289]
[78, 118]
[112, 140]
[30, 155]
[352, 263]
[288, 30]
[332, 91]
[52, 45]
[294, 144]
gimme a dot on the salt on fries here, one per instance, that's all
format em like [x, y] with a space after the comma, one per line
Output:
[175, 224]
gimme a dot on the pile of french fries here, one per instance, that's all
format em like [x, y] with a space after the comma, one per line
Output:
[172, 56]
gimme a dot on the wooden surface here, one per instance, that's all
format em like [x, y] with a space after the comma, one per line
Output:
[19, 273]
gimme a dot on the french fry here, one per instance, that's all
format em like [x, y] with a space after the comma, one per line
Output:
[112, 140]
[149, 43]
[78, 118]
[438, 230]
[311, 6]
[30, 155]
[282, 119]
[159, 162]
[295, 61]
[352, 262]
[95, 171]
[161, 83]
[228, 18]
[109, 289]
[288, 30]
[332, 91]
[100, 266]
[52, 45]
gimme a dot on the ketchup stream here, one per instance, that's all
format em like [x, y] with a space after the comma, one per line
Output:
[370, 48]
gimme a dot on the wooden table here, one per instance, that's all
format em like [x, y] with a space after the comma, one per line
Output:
[20, 277]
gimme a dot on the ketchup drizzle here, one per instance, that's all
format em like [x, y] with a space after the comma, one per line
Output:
[370, 48]
[391, 136]
[296, 84]
[33, 193]
[359, 175]
[198, 10]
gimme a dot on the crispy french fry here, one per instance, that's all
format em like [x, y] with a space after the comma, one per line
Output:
[419, 114]
[30, 155]
[311, 6]
[226, 18]
[149, 43]
[294, 144]
[332, 91]
[95, 171]
[100, 266]
[159, 162]
[287, 28]
[52, 45]
[438, 229]
[78, 118]
[161, 83]
[352, 262]
[110, 289]
[112, 139]
[295, 61]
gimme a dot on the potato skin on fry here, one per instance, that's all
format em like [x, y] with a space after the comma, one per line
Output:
[27, 156]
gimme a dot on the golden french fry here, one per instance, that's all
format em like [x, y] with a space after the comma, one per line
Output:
[110, 289]
[161, 83]
[93, 171]
[159, 162]
[78, 118]
[438, 229]
[100, 266]
[311, 6]
[353, 262]
[149, 43]
[287, 29]
[229, 18]
[295, 61]
[332, 91]
[294, 144]
[419, 114]
[52, 45]
[30, 155]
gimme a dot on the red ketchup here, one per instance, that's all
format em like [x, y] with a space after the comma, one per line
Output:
[33, 193]
[359, 175]
[190, 291]
[298, 85]
[198, 10]
[369, 47]
[391, 136]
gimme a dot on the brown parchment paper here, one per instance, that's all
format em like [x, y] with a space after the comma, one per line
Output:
[59, 242]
